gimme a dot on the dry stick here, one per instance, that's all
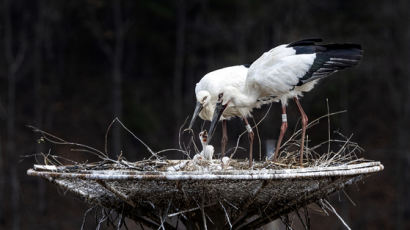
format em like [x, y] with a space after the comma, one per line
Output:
[307, 218]
[132, 134]
[321, 206]
[259, 139]
[327, 141]
[330, 207]
[203, 211]
[306, 199]
[123, 197]
[106, 137]
[54, 157]
[311, 150]
[58, 141]
[231, 204]
[109, 220]
[286, 222]
[226, 215]
[240, 136]
[328, 125]
[190, 210]
[342, 148]
[102, 219]
[163, 218]
[186, 153]
[120, 220]
[311, 124]
[301, 220]
[85, 217]
[348, 197]
[209, 218]
[168, 150]
[308, 154]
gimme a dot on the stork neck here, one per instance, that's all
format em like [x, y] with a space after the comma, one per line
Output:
[203, 144]
[248, 97]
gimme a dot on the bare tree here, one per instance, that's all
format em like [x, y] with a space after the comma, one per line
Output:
[115, 53]
[39, 40]
[3, 115]
[14, 57]
[179, 60]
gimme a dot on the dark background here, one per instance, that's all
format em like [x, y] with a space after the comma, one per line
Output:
[70, 67]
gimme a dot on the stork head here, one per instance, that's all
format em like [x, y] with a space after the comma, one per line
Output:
[203, 98]
[203, 136]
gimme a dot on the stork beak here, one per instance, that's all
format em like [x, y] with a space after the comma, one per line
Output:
[204, 137]
[198, 109]
[219, 109]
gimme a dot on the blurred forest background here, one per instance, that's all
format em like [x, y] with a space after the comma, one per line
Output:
[70, 67]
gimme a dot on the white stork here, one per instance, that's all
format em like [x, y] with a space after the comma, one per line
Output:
[207, 90]
[285, 72]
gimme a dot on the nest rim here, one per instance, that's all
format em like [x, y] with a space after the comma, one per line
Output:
[263, 174]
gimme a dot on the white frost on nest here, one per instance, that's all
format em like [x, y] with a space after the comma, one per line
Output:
[177, 167]
[225, 162]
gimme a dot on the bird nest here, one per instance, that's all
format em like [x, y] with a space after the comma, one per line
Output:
[235, 198]
[221, 194]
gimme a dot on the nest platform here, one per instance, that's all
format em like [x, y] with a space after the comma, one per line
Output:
[218, 198]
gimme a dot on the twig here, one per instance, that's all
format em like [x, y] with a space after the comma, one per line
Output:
[59, 141]
[226, 215]
[163, 217]
[307, 218]
[132, 134]
[179, 139]
[121, 218]
[348, 197]
[311, 124]
[259, 139]
[106, 137]
[240, 136]
[301, 220]
[123, 197]
[190, 210]
[85, 217]
[168, 150]
[330, 208]
[203, 211]
[328, 125]
[286, 222]
[102, 219]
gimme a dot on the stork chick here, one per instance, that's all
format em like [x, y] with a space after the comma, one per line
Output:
[207, 150]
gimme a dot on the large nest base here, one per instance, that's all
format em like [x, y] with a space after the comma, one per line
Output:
[219, 198]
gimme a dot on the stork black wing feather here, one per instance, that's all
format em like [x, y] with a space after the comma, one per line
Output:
[308, 41]
[329, 59]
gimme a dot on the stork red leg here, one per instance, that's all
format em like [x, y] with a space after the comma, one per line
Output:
[224, 137]
[283, 129]
[304, 124]
[251, 136]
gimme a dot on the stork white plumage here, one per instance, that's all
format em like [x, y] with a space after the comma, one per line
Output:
[207, 90]
[284, 72]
